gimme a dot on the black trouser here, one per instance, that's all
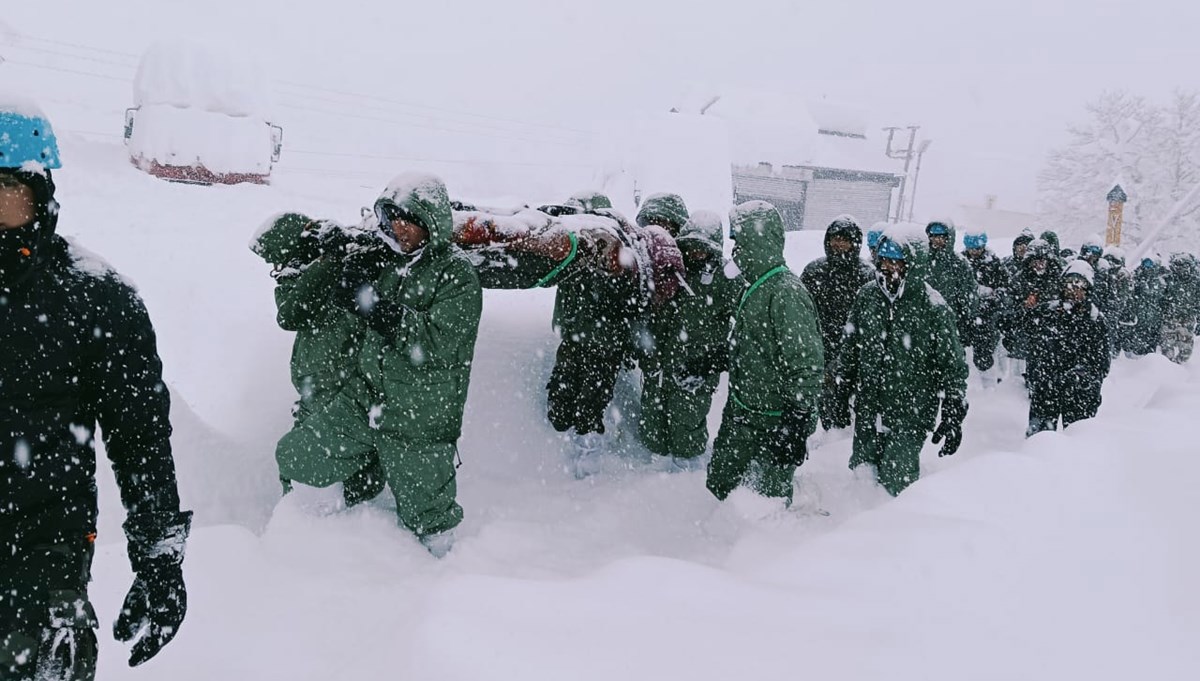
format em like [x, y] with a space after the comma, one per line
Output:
[581, 385]
[1061, 399]
[47, 624]
[985, 336]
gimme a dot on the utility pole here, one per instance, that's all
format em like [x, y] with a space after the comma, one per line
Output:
[907, 155]
[912, 203]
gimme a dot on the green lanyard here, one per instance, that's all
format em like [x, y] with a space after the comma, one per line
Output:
[746, 296]
[753, 287]
[545, 281]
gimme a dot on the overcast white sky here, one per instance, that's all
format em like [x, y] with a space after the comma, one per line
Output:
[993, 84]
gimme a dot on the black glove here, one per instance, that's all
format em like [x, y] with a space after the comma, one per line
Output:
[354, 290]
[954, 411]
[789, 440]
[385, 316]
[834, 405]
[157, 601]
[709, 364]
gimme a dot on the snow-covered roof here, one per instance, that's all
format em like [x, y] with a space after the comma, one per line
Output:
[997, 223]
[788, 129]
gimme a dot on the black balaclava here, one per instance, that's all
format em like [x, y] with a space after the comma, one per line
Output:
[22, 248]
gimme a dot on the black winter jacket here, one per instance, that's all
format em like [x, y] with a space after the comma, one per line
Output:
[1068, 348]
[78, 350]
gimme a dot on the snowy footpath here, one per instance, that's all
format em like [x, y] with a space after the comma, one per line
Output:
[1068, 556]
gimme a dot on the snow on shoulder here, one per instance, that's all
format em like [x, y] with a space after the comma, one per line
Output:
[91, 264]
[934, 296]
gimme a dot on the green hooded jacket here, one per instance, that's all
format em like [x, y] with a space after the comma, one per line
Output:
[901, 358]
[695, 322]
[665, 210]
[422, 368]
[951, 275]
[327, 338]
[777, 362]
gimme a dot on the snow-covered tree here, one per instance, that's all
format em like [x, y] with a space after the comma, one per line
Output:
[1152, 151]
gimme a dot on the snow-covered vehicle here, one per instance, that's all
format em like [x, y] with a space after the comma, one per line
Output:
[199, 117]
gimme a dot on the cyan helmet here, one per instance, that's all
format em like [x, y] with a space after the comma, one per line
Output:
[873, 238]
[937, 228]
[26, 138]
[973, 241]
[1148, 263]
[890, 250]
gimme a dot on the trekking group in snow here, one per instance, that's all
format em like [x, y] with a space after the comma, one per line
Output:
[386, 315]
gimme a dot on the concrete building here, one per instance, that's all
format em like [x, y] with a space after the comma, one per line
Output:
[813, 160]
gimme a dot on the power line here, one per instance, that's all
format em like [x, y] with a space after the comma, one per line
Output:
[93, 132]
[435, 160]
[285, 83]
[433, 108]
[81, 47]
[74, 56]
[392, 121]
[418, 116]
[64, 70]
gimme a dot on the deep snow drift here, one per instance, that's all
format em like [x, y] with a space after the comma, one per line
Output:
[1067, 556]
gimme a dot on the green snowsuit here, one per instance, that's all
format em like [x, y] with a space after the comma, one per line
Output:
[951, 275]
[691, 348]
[901, 360]
[391, 396]
[776, 360]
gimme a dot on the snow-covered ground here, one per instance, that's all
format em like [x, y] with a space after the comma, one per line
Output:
[1068, 556]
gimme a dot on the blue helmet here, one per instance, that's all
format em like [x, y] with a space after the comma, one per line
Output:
[937, 228]
[873, 238]
[973, 241]
[26, 138]
[890, 250]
